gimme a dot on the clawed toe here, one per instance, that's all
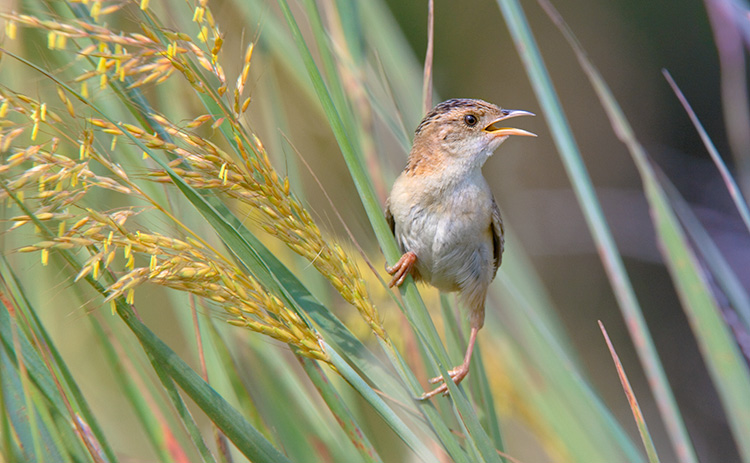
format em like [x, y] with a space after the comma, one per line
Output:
[457, 375]
[401, 269]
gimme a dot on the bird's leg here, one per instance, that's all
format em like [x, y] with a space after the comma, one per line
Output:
[457, 374]
[401, 269]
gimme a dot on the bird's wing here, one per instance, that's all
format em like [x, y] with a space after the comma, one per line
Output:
[389, 216]
[498, 236]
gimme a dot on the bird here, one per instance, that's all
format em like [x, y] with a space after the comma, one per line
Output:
[443, 214]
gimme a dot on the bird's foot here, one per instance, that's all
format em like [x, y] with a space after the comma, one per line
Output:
[457, 375]
[401, 269]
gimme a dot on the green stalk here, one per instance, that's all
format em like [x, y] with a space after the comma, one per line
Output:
[610, 256]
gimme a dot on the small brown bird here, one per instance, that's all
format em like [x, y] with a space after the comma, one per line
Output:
[443, 214]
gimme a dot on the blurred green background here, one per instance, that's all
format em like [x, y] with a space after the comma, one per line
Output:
[630, 41]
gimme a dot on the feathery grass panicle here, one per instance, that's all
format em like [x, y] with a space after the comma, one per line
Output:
[246, 174]
[281, 215]
[53, 189]
[184, 265]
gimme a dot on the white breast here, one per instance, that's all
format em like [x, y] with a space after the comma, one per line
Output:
[447, 227]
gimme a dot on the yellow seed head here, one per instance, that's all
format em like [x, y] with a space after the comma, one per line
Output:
[96, 10]
[198, 14]
[110, 258]
[218, 42]
[11, 29]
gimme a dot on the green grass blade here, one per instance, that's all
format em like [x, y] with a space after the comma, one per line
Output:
[417, 315]
[38, 370]
[33, 436]
[344, 416]
[477, 379]
[486, 402]
[185, 417]
[359, 176]
[724, 276]
[732, 187]
[632, 400]
[723, 359]
[573, 408]
[247, 439]
[419, 318]
[224, 362]
[476, 435]
[582, 186]
[435, 420]
[134, 395]
[377, 403]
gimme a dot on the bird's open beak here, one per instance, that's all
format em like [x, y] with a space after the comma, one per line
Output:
[498, 131]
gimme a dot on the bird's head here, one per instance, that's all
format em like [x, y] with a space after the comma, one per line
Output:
[462, 131]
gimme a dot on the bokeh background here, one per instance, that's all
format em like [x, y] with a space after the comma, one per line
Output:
[630, 42]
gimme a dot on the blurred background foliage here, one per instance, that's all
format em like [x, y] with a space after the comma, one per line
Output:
[629, 41]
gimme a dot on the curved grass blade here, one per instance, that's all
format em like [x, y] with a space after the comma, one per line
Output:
[723, 274]
[401, 429]
[339, 409]
[732, 187]
[613, 264]
[185, 417]
[573, 408]
[39, 372]
[723, 359]
[117, 360]
[417, 312]
[247, 439]
[632, 400]
[35, 442]
[427, 78]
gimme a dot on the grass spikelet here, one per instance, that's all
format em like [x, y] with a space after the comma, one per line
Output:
[237, 167]
[257, 183]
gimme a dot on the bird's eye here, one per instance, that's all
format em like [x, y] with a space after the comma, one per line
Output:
[471, 120]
